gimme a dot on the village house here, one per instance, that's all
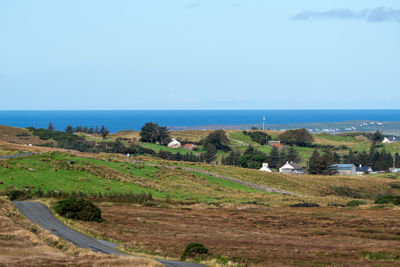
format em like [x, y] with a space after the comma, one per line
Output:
[189, 146]
[345, 169]
[174, 143]
[274, 143]
[360, 169]
[291, 168]
[265, 168]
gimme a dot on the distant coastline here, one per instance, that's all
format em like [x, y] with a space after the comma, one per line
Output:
[331, 121]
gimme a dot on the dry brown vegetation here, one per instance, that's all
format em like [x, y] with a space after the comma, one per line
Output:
[24, 244]
[259, 236]
[19, 136]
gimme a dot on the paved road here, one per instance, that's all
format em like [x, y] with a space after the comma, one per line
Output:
[41, 215]
[15, 156]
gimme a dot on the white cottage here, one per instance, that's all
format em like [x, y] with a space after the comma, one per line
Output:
[174, 143]
[386, 141]
[265, 168]
[291, 168]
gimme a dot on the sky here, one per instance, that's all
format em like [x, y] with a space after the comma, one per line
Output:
[199, 54]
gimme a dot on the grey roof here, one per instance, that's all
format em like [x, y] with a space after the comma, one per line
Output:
[343, 167]
[363, 168]
[295, 166]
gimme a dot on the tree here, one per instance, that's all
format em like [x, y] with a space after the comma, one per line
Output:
[292, 154]
[219, 139]
[349, 158]
[299, 137]
[50, 127]
[252, 158]
[211, 153]
[273, 158]
[336, 158]
[232, 158]
[258, 136]
[397, 160]
[104, 132]
[321, 164]
[377, 137]
[69, 129]
[118, 146]
[152, 133]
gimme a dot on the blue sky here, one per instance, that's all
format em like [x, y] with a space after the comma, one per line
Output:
[200, 54]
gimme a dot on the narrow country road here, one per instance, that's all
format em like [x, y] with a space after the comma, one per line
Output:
[16, 156]
[41, 215]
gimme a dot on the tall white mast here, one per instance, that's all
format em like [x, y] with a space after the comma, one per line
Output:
[263, 122]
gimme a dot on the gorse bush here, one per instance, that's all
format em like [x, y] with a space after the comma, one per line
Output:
[355, 203]
[16, 195]
[194, 249]
[77, 208]
[385, 199]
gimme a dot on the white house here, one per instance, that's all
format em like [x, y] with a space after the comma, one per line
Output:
[265, 168]
[360, 169]
[291, 168]
[174, 143]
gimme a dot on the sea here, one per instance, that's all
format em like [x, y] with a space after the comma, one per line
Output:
[116, 120]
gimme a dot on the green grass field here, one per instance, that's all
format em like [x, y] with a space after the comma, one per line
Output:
[51, 172]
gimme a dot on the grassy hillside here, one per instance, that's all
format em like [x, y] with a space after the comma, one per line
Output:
[238, 223]
[19, 136]
[51, 171]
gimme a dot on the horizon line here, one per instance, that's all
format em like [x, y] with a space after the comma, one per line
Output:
[199, 109]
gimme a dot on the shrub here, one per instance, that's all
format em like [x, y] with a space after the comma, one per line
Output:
[355, 203]
[385, 199]
[345, 191]
[16, 195]
[194, 249]
[77, 208]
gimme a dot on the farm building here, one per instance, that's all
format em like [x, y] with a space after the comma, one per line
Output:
[274, 143]
[291, 168]
[189, 146]
[345, 169]
[265, 168]
[360, 169]
[174, 143]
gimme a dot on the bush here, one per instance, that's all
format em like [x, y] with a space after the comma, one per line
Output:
[345, 191]
[194, 249]
[77, 208]
[355, 203]
[16, 195]
[385, 199]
